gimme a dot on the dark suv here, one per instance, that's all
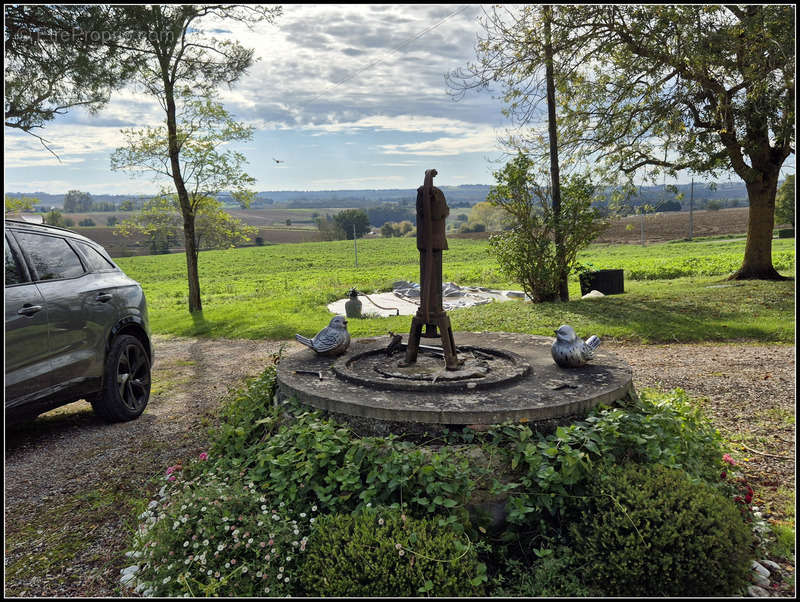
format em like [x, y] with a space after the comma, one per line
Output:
[76, 326]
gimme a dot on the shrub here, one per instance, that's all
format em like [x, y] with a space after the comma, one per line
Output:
[381, 552]
[527, 252]
[652, 531]
[216, 536]
[553, 574]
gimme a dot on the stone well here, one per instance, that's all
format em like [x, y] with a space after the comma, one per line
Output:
[504, 377]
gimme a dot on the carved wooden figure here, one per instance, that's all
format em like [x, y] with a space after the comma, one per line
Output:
[432, 210]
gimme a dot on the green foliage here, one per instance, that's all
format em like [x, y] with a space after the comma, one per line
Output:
[309, 460]
[381, 552]
[527, 253]
[52, 64]
[653, 531]
[76, 201]
[214, 535]
[553, 574]
[491, 216]
[55, 218]
[276, 469]
[15, 204]
[352, 222]
[785, 202]
[551, 469]
[87, 223]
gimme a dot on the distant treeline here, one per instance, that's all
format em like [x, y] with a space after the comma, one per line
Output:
[728, 194]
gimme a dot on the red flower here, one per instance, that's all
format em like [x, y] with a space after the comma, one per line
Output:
[723, 475]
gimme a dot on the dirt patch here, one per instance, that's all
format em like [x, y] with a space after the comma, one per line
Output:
[73, 484]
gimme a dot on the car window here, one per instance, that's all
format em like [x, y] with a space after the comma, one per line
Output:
[52, 257]
[97, 263]
[13, 271]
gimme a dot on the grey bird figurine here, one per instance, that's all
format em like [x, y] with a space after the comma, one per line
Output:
[331, 340]
[569, 351]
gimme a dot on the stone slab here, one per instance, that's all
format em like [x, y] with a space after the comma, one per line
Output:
[545, 393]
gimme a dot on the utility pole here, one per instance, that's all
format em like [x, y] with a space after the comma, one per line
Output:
[355, 244]
[641, 208]
[691, 209]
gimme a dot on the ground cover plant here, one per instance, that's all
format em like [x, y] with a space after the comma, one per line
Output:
[276, 291]
[259, 512]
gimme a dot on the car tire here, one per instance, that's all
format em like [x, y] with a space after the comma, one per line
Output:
[126, 381]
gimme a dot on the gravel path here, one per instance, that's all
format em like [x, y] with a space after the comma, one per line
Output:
[68, 474]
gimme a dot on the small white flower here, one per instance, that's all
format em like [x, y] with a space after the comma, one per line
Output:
[244, 569]
[286, 580]
[205, 542]
[302, 515]
[185, 543]
[313, 508]
[166, 579]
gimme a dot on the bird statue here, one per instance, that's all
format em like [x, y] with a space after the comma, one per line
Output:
[569, 351]
[395, 343]
[331, 340]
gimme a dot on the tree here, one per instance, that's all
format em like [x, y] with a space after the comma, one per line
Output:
[352, 220]
[58, 57]
[177, 56]
[19, 204]
[493, 217]
[785, 202]
[527, 252]
[55, 218]
[329, 229]
[160, 220]
[76, 201]
[204, 169]
[652, 89]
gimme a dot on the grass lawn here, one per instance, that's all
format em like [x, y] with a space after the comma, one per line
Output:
[674, 292]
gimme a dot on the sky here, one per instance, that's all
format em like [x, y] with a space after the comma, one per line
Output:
[343, 95]
[346, 96]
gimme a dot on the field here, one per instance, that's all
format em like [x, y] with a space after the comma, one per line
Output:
[659, 227]
[674, 291]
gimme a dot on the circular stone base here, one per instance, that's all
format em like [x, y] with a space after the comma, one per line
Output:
[532, 388]
[481, 368]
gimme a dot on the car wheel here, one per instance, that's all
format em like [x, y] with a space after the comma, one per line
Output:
[126, 381]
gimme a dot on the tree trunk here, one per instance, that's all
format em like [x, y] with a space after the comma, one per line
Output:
[757, 262]
[193, 276]
[190, 243]
[563, 291]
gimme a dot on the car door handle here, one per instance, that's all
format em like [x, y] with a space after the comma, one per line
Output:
[29, 310]
[103, 297]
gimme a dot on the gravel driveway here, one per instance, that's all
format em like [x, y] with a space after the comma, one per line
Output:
[72, 482]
